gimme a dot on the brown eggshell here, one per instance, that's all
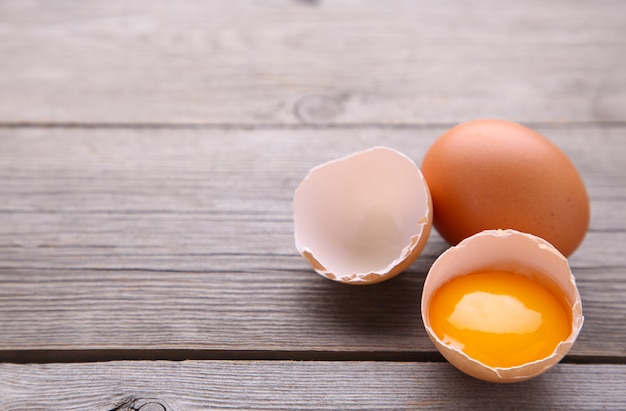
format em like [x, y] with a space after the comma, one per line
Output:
[496, 174]
[363, 218]
[506, 250]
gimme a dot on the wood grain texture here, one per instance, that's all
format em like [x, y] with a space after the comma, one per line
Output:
[290, 62]
[149, 152]
[117, 239]
[284, 385]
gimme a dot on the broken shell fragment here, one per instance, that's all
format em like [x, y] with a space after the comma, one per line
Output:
[495, 251]
[363, 218]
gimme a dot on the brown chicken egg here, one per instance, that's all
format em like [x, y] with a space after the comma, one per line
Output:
[502, 306]
[495, 174]
[363, 218]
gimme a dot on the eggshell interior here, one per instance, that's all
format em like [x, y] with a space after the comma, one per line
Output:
[506, 250]
[363, 218]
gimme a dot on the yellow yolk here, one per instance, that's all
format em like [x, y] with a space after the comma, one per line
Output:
[499, 318]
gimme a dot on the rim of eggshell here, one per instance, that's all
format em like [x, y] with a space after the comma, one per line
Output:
[406, 255]
[486, 250]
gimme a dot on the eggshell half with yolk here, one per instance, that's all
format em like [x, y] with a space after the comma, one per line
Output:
[511, 251]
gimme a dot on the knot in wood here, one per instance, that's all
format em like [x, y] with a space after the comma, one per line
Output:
[152, 406]
[137, 404]
[318, 109]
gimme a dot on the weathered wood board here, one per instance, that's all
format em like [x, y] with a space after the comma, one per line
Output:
[182, 239]
[290, 62]
[286, 385]
[149, 152]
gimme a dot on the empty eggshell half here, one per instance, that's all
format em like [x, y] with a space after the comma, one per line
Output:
[513, 251]
[363, 218]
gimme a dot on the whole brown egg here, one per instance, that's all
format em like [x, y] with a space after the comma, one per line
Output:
[496, 174]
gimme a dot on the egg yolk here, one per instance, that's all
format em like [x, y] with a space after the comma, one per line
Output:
[501, 319]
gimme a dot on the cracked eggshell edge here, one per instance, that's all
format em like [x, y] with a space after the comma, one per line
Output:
[408, 254]
[504, 249]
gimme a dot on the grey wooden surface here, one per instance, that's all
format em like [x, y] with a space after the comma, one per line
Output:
[289, 61]
[303, 385]
[148, 157]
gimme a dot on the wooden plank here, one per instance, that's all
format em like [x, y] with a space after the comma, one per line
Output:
[250, 311]
[287, 62]
[278, 385]
[182, 239]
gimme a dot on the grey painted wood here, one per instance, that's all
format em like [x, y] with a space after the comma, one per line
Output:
[288, 62]
[126, 232]
[117, 239]
[284, 385]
